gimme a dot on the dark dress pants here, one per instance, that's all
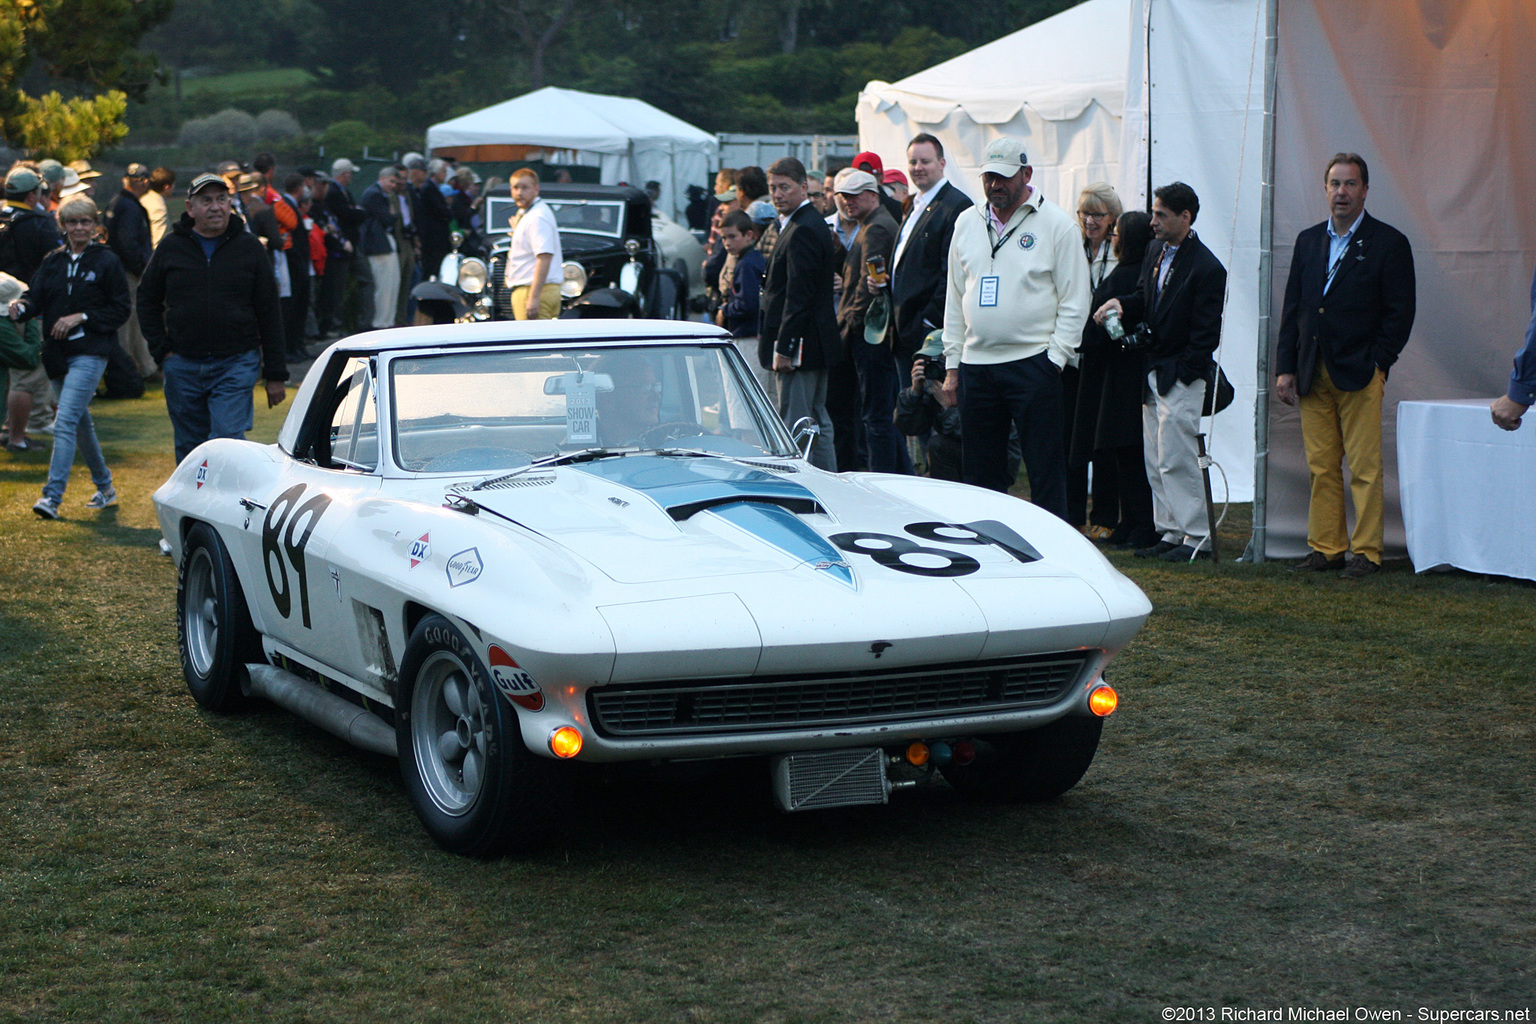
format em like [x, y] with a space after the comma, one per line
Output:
[1025, 393]
[878, 385]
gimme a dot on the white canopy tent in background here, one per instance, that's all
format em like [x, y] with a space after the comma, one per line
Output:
[628, 140]
[1436, 95]
[1073, 88]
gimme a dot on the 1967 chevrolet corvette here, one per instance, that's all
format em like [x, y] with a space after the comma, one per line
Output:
[496, 550]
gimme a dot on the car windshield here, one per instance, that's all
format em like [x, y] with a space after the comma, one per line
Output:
[487, 411]
[593, 216]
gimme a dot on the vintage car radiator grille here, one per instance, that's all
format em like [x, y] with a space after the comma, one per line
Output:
[723, 706]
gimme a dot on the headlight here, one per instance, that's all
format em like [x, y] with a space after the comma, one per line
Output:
[473, 276]
[575, 279]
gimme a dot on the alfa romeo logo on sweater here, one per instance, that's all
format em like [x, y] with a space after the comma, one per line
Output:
[1026, 241]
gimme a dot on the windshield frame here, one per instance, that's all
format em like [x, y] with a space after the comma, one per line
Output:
[768, 423]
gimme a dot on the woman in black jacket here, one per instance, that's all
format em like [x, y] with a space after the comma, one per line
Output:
[1109, 409]
[81, 292]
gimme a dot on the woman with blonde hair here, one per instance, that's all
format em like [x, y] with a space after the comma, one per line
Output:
[1098, 208]
[81, 292]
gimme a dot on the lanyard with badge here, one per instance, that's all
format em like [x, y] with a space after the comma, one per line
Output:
[989, 284]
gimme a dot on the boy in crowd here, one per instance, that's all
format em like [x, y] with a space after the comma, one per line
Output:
[741, 284]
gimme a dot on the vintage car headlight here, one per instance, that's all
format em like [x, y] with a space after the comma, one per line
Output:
[575, 279]
[473, 276]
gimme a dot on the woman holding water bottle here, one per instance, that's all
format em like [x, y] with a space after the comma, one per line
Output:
[1107, 425]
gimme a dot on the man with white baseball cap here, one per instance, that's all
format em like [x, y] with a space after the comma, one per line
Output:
[1018, 300]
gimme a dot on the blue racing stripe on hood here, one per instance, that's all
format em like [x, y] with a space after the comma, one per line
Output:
[779, 527]
[685, 485]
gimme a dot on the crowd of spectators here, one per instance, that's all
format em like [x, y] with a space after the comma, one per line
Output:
[911, 329]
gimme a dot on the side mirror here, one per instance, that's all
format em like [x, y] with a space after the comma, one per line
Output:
[805, 432]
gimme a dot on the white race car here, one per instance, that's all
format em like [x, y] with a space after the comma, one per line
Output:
[495, 550]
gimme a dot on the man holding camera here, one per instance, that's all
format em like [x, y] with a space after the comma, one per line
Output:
[1176, 314]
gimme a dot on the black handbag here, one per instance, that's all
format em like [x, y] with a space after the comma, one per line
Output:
[1219, 397]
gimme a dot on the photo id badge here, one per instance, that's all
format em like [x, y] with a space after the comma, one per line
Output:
[581, 409]
[988, 291]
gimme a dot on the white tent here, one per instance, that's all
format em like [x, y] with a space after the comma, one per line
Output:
[1064, 85]
[626, 139]
[1246, 100]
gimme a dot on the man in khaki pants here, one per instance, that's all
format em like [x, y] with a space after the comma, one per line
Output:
[534, 258]
[1349, 306]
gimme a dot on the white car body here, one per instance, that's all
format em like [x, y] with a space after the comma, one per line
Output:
[664, 603]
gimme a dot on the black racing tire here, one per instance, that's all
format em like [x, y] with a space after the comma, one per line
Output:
[213, 625]
[474, 785]
[1031, 766]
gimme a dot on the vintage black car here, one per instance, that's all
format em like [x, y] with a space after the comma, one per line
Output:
[613, 264]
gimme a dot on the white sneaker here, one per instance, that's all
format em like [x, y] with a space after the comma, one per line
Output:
[102, 499]
[47, 508]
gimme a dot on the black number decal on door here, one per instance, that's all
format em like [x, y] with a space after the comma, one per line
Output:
[276, 542]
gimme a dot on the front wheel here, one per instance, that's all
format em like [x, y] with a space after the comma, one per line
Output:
[213, 625]
[475, 787]
[1024, 767]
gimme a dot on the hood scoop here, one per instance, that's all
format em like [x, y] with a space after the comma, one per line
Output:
[685, 486]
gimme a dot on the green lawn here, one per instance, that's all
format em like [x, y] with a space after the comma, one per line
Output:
[1316, 793]
[237, 83]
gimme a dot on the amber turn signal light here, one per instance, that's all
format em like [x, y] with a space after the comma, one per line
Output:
[1103, 701]
[917, 754]
[565, 742]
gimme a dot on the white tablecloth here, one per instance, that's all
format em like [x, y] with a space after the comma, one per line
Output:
[1468, 488]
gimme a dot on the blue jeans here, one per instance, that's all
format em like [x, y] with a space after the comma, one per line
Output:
[878, 384]
[210, 399]
[74, 429]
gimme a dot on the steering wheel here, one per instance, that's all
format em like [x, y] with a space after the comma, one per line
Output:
[476, 459]
[663, 432]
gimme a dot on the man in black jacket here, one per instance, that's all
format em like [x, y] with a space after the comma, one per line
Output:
[799, 339]
[208, 307]
[1179, 297]
[128, 236]
[432, 217]
[920, 264]
[349, 218]
[1349, 307]
[32, 233]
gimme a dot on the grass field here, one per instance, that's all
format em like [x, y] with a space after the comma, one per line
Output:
[1315, 794]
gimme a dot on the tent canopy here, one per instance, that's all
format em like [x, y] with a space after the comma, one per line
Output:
[627, 139]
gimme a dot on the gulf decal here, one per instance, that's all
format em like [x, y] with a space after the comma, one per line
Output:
[421, 548]
[511, 680]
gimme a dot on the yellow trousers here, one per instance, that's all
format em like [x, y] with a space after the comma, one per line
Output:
[1337, 426]
[549, 302]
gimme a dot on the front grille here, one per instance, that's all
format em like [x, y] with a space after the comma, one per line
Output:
[797, 702]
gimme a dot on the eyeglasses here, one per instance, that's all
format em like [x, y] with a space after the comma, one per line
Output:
[76, 222]
[1085, 215]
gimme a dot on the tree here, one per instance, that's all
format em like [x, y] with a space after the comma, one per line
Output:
[86, 46]
[536, 23]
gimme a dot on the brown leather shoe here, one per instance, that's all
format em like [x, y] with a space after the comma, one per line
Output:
[1359, 567]
[1316, 561]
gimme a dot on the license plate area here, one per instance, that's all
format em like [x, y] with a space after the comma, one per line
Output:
[830, 778]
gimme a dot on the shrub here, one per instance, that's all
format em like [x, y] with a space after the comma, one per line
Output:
[277, 126]
[229, 127]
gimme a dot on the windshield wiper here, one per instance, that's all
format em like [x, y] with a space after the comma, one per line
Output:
[562, 459]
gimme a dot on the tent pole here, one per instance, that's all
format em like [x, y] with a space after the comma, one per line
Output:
[1256, 542]
[1146, 91]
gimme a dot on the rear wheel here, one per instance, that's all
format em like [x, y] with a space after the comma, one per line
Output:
[475, 787]
[213, 625]
[1039, 764]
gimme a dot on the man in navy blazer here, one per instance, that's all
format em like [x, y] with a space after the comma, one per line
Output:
[1349, 306]
[799, 339]
[920, 265]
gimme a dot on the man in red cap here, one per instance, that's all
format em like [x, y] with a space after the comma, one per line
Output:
[870, 163]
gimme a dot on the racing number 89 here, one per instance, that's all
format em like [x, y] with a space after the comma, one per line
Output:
[275, 544]
[894, 552]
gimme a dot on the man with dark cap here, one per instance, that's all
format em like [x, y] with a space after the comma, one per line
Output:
[32, 234]
[128, 236]
[208, 306]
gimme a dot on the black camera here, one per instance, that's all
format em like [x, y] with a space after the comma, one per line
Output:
[933, 368]
[1138, 340]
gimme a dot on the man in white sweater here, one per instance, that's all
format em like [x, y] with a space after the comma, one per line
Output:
[1018, 299]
